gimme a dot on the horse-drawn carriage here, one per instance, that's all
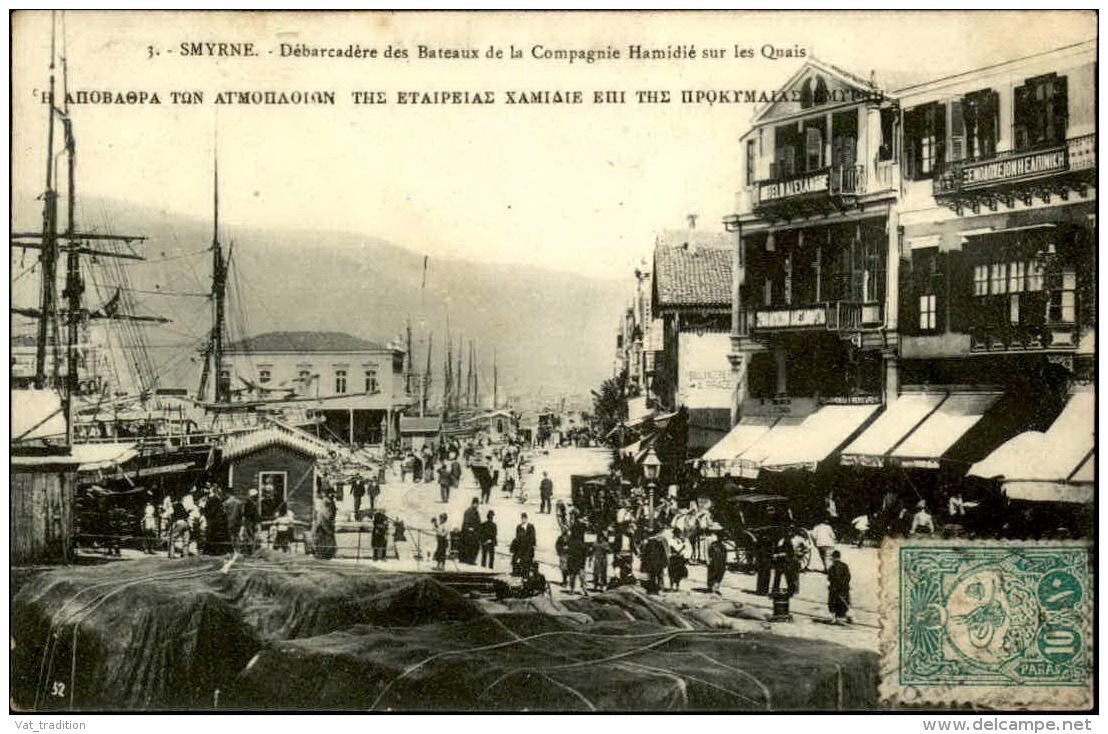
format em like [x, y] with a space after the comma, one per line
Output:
[597, 499]
[754, 523]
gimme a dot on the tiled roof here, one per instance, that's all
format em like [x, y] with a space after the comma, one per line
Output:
[692, 268]
[304, 341]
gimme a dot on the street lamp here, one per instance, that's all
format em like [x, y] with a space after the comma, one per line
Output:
[651, 467]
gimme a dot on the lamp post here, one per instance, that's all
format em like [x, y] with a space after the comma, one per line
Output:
[651, 467]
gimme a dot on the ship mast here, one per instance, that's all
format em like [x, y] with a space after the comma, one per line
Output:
[49, 257]
[213, 363]
[74, 286]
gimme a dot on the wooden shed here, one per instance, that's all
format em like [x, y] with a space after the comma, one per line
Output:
[280, 462]
[43, 486]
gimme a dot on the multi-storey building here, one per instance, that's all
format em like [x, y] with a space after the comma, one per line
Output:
[691, 303]
[915, 276]
[358, 387]
[813, 333]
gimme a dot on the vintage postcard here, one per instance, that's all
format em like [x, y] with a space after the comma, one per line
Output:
[552, 361]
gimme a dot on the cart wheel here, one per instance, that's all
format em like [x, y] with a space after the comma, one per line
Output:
[805, 550]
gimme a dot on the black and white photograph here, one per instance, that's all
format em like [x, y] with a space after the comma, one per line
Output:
[552, 362]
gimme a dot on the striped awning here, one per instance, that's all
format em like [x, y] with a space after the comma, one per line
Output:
[953, 418]
[902, 416]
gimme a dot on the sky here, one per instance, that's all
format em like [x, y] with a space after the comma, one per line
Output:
[578, 188]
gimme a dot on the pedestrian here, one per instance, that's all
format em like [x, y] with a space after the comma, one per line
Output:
[283, 528]
[678, 562]
[546, 492]
[823, 535]
[561, 548]
[233, 508]
[654, 562]
[445, 480]
[471, 523]
[509, 484]
[379, 538]
[763, 562]
[786, 566]
[717, 563]
[149, 525]
[180, 533]
[922, 521]
[600, 549]
[323, 532]
[215, 511]
[524, 551]
[441, 541]
[534, 583]
[861, 528]
[838, 590]
[455, 472]
[357, 491]
[560, 513]
[576, 554]
[487, 535]
[251, 518]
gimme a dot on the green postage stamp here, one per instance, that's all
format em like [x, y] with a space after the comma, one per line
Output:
[996, 624]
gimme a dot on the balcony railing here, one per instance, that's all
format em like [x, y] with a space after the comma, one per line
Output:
[1015, 166]
[833, 316]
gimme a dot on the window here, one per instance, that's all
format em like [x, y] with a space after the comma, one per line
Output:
[997, 282]
[264, 376]
[981, 280]
[927, 312]
[1061, 307]
[1035, 275]
[813, 146]
[749, 162]
[1014, 308]
[981, 116]
[371, 380]
[1016, 275]
[340, 381]
[1041, 112]
[924, 139]
[888, 118]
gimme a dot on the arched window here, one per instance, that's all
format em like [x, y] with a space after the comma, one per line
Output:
[806, 94]
[820, 96]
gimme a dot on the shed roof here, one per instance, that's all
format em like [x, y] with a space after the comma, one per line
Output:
[270, 436]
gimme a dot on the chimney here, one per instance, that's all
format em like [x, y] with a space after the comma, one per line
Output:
[692, 220]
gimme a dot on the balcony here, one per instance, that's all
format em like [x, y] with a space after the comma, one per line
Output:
[1054, 336]
[838, 316]
[1011, 176]
[822, 191]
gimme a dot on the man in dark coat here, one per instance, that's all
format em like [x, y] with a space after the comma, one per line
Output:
[357, 491]
[233, 509]
[446, 478]
[251, 518]
[655, 560]
[487, 535]
[216, 515]
[717, 564]
[786, 566]
[523, 551]
[838, 589]
[546, 492]
[471, 523]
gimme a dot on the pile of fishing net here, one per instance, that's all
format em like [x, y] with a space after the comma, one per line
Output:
[288, 633]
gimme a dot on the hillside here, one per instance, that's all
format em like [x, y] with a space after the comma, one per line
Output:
[552, 330]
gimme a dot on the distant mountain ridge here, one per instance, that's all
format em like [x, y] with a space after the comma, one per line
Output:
[552, 330]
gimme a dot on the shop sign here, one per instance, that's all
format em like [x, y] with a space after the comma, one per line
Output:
[790, 318]
[816, 183]
[976, 175]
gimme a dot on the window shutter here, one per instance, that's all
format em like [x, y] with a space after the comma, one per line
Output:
[938, 119]
[1022, 115]
[957, 131]
[1059, 112]
[814, 148]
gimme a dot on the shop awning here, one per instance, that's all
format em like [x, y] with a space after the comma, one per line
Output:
[900, 418]
[1062, 454]
[957, 414]
[1077, 494]
[744, 434]
[802, 445]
